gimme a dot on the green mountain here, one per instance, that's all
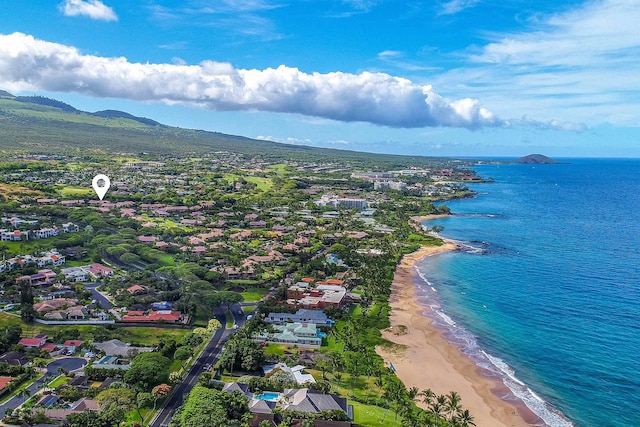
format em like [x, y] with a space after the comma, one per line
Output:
[42, 125]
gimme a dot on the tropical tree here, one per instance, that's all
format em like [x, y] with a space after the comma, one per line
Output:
[23, 392]
[115, 403]
[465, 419]
[452, 404]
[144, 400]
[159, 392]
[183, 354]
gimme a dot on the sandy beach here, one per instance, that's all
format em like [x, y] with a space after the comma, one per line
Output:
[428, 360]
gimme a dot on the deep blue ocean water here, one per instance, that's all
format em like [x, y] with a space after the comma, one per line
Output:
[550, 300]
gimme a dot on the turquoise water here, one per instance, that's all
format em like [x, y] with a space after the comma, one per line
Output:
[267, 395]
[547, 294]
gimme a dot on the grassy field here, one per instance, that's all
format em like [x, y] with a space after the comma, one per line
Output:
[280, 169]
[254, 294]
[14, 191]
[372, 416]
[67, 191]
[264, 184]
[62, 379]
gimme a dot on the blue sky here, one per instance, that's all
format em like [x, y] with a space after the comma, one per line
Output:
[458, 78]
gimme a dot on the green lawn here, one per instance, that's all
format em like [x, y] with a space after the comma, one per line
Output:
[263, 184]
[275, 350]
[230, 321]
[254, 294]
[372, 416]
[62, 379]
[280, 169]
[68, 191]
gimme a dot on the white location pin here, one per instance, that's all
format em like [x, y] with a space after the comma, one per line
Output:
[101, 184]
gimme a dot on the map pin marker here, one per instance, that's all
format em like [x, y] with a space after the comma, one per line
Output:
[101, 185]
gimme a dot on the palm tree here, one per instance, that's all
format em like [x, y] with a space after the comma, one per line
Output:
[413, 392]
[23, 392]
[453, 404]
[465, 418]
[437, 409]
[427, 397]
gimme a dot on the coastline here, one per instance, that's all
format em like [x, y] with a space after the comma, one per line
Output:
[425, 359]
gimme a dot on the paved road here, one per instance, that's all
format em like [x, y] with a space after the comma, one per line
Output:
[67, 363]
[208, 356]
[104, 302]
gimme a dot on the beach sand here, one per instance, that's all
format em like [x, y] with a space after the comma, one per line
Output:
[427, 360]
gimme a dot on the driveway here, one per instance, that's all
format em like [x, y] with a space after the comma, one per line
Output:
[104, 302]
[67, 363]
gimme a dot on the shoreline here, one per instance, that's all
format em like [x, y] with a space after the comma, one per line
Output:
[426, 359]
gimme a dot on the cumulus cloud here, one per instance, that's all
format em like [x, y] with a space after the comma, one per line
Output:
[27, 63]
[94, 9]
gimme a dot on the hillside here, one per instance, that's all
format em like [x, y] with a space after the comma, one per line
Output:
[43, 125]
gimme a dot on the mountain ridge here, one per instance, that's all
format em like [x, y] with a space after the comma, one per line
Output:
[44, 125]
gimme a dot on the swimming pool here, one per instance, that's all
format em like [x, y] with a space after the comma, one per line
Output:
[267, 395]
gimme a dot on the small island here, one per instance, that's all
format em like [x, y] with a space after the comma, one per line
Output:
[537, 159]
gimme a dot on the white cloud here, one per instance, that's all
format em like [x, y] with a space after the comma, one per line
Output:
[580, 65]
[30, 64]
[233, 16]
[94, 9]
[454, 6]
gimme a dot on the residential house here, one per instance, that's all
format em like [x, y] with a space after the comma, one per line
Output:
[295, 334]
[137, 289]
[321, 297]
[45, 233]
[72, 345]
[98, 271]
[76, 274]
[14, 358]
[33, 343]
[308, 400]
[70, 227]
[297, 372]
[301, 316]
[42, 277]
[119, 348]
[14, 235]
[111, 362]
[147, 239]
[159, 316]
[82, 405]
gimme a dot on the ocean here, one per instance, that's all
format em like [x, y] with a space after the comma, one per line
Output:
[546, 294]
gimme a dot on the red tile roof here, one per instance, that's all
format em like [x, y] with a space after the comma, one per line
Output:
[32, 342]
[154, 316]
